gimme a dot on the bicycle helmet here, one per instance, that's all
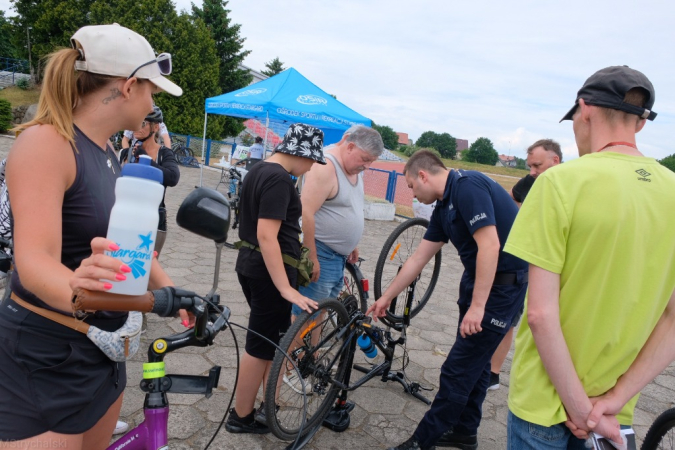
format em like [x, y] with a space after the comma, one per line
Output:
[155, 116]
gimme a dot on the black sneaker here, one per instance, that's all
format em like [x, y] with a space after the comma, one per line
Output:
[494, 382]
[456, 440]
[260, 415]
[411, 444]
[248, 424]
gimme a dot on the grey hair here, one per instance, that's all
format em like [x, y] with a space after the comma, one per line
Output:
[366, 138]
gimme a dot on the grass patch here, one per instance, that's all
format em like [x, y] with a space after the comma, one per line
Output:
[19, 97]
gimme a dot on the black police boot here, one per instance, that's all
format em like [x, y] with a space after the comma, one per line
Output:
[411, 444]
[456, 440]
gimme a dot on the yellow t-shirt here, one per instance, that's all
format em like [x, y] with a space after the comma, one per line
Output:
[606, 223]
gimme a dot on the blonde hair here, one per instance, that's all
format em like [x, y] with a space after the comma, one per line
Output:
[62, 87]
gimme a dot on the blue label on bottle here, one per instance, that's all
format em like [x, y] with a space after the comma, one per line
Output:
[136, 258]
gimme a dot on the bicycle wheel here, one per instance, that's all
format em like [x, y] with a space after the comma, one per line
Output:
[354, 287]
[184, 155]
[313, 344]
[399, 246]
[661, 434]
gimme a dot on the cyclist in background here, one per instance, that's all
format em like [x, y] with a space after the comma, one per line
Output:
[128, 136]
[58, 386]
[162, 158]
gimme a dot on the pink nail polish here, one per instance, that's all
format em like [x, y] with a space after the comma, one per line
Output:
[186, 323]
[124, 268]
[155, 253]
[114, 247]
[107, 286]
[120, 277]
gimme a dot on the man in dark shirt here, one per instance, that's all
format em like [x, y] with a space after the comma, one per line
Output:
[475, 214]
[270, 212]
[541, 156]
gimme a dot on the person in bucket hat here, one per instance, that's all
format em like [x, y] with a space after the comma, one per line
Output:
[597, 232]
[303, 140]
[270, 212]
[61, 173]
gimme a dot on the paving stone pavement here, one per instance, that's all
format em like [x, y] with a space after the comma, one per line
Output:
[384, 414]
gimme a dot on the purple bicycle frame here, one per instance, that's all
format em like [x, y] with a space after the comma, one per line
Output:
[151, 434]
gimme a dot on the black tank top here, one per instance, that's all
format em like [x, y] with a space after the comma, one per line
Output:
[85, 214]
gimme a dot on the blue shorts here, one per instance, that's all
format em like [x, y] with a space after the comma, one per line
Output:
[331, 277]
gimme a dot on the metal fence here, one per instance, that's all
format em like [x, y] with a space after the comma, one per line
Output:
[378, 184]
[389, 186]
[212, 149]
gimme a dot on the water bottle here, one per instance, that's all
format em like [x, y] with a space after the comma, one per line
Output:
[133, 223]
[367, 346]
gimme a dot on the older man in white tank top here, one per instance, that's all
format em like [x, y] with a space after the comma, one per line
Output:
[332, 209]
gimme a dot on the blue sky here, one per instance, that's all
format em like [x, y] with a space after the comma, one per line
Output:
[503, 70]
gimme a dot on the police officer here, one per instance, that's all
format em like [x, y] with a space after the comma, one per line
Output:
[476, 215]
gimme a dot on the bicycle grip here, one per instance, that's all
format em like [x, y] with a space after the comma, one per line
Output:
[164, 305]
[86, 300]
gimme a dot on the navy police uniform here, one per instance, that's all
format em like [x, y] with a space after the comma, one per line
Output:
[472, 201]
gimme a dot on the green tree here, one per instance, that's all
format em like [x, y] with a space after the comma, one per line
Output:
[230, 52]
[521, 163]
[669, 162]
[482, 151]
[52, 23]
[444, 143]
[196, 72]
[427, 139]
[273, 67]
[389, 136]
[5, 115]
[7, 47]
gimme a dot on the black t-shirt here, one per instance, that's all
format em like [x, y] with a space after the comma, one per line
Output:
[522, 188]
[471, 201]
[268, 193]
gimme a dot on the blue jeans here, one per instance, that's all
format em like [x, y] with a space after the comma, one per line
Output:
[331, 277]
[523, 435]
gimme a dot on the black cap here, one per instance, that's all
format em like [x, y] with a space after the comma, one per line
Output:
[607, 88]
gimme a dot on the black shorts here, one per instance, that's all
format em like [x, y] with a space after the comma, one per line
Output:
[52, 378]
[270, 316]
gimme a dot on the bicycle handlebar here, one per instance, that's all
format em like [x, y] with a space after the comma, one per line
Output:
[165, 302]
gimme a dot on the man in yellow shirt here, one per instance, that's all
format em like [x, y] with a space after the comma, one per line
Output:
[598, 234]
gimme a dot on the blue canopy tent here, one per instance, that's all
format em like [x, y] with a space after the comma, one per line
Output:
[286, 98]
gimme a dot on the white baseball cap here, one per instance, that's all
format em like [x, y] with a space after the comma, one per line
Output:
[118, 51]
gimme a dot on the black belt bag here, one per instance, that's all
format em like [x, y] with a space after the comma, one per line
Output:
[509, 278]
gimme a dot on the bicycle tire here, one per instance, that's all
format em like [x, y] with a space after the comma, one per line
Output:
[184, 155]
[398, 247]
[353, 287]
[661, 434]
[314, 363]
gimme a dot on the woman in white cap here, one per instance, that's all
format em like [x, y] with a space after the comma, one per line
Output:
[57, 386]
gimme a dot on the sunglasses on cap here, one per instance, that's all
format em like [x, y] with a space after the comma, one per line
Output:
[163, 61]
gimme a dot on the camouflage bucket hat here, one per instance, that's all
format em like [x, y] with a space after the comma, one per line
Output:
[304, 141]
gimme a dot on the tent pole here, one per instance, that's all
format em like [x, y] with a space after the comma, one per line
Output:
[201, 169]
[267, 130]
